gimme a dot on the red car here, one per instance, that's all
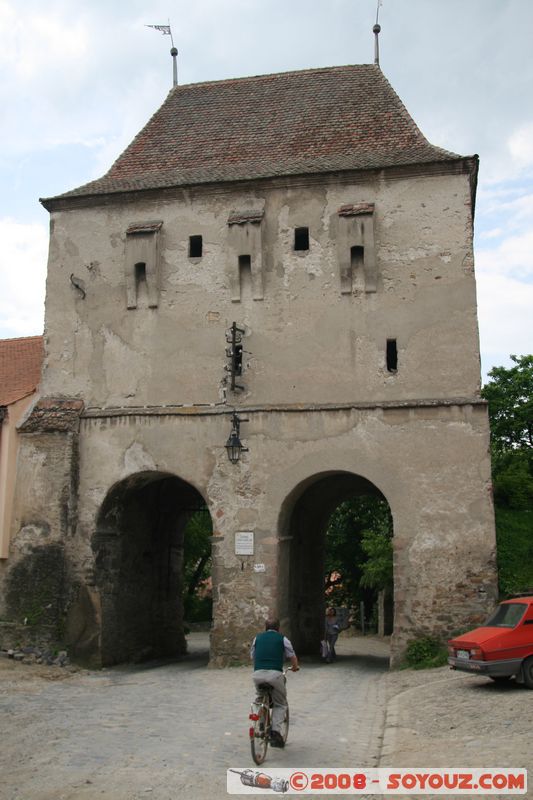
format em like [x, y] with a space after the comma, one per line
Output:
[503, 647]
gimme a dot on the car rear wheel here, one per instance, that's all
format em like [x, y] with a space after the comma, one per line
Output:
[527, 672]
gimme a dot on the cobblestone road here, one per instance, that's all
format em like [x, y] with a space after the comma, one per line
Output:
[170, 731]
[441, 718]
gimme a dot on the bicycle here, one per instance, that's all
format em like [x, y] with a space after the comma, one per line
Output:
[261, 717]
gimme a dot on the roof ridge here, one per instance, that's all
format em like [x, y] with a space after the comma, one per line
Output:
[265, 75]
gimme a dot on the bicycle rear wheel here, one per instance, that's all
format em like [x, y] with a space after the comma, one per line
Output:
[259, 733]
[285, 726]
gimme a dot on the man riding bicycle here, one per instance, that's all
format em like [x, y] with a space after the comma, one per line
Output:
[268, 652]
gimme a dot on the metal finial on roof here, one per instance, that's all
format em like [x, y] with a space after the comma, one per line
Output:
[377, 29]
[174, 54]
[167, 31]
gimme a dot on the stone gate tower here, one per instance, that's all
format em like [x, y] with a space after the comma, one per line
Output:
[308, 209]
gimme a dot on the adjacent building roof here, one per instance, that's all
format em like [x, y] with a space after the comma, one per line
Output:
[20, 367]
[290, 123]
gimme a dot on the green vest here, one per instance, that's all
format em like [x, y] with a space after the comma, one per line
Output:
[269, 651]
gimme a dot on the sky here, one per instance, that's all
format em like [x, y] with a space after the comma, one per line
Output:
[80, 78]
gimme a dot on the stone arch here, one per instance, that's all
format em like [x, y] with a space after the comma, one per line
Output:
[138, 551]
[303, 520]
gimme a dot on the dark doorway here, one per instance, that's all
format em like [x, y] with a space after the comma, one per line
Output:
[139, 556]
[304, 522]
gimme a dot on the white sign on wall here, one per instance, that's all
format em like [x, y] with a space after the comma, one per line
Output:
[244, 543]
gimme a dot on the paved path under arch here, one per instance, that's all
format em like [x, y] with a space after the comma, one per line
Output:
[169, 730]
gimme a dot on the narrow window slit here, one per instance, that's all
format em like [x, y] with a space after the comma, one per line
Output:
[140, 273]
[195, 246]
[301, 238]
[245, 275]
[357, 257]
[392, 355]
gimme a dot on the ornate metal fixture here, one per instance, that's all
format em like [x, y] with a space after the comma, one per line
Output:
[234, 446]
[234, 354]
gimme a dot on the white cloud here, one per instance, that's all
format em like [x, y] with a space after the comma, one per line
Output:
[22, 278]
[505, 319]
[494, 233]
[520, 145]
[505, 291]
[512, 258]
[31, 40]
[521, 208]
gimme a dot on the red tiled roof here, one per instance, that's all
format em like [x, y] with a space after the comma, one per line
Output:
[20, 367]
[312, 121]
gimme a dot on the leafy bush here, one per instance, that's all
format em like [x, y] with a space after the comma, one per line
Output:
[514, 533]
[425, 652]
[197, 609]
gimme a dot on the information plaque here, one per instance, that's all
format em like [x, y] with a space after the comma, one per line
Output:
[244, 543]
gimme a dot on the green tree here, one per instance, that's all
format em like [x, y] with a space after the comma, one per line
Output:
[515, 550]
[358, 550]
[510, 397]
[512, 480]
[197, 601]
[376, 571]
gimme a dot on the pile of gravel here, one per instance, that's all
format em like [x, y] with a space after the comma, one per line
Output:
[33, 655]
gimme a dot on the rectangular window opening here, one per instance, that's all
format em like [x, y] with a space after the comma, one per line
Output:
[357, 256]
[195, 246]
[392, 355]
[301, 238]
[140, 273]
[245, 275]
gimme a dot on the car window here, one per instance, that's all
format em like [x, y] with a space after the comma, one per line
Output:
[507, 616]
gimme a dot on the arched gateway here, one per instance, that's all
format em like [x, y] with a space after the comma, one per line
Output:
[303, 523]
[138, 550]
[280, 313]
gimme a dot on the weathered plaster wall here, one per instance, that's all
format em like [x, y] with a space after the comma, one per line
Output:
[307, 342]
[319, 400]
[34, 584]
[432, 466]
[8, 467]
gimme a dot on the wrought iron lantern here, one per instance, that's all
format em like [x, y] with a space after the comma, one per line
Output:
[234, 446]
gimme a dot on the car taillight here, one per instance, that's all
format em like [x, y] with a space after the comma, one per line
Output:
[254, 717]
[477, 653]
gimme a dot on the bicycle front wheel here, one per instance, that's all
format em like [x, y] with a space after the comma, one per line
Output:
[259, 733]
[285, 726]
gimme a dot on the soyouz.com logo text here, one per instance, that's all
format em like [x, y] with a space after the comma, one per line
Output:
[350, 781]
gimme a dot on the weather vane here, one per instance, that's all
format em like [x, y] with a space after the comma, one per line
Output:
[167, 31]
